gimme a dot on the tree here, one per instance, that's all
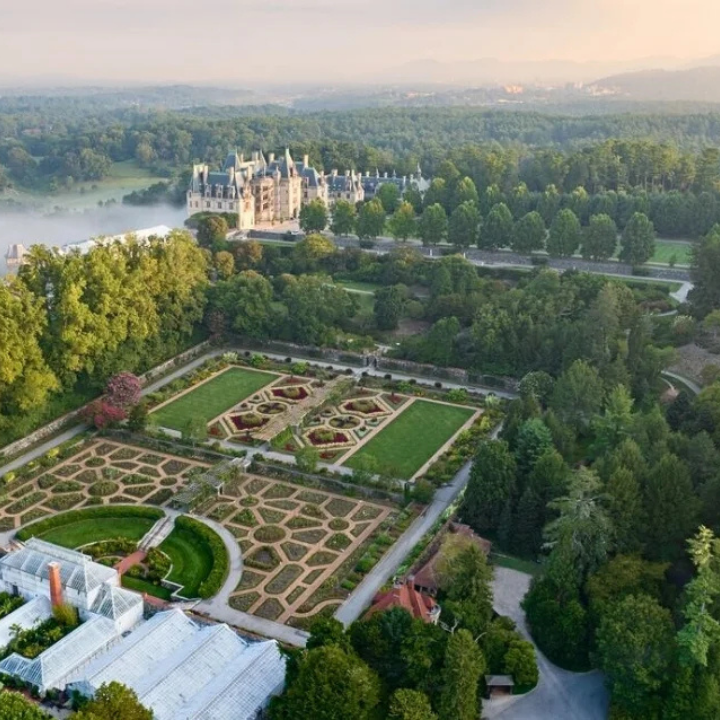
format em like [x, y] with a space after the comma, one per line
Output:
[224, 264]
[671, 508]
[114, 701]
[307, 459]
[463, 225]
[245, 300]
[578, 395]
[613, 426]
[625, 508]
[638, 240]
[464, 665]
[599, 239]
[528, 233]
[371, 220]
[634, 649]
[123, 390]
[520, 662]
[433, 225]
[409, 705]
[329, 679]
[402, 224]
[389, 196]
[212, 231]
[537, 384]
[704, 273]
[533, 440]
[101, 414]
[138, 417]
[389, 305]
[313, 216]
[14, 706]
[436, 194]
[491, 486]
[312, 250]
[565, 234]
[465, 191]
[344, 216]
[497, 230]
[248, 254]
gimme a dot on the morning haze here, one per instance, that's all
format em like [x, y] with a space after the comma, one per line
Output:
[245, 42]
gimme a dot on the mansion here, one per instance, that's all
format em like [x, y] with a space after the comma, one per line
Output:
[263, 191]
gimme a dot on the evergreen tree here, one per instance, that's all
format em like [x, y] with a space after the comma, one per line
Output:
[464, 665]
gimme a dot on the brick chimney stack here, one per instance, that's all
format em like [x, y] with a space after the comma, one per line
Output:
[56, 594]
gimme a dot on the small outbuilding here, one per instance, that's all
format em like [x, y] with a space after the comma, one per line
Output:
[499, 686]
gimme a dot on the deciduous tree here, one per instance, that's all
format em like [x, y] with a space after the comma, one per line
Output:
[313, 216]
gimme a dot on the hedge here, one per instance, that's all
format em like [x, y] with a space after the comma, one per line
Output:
[221, 561]
[42, 526]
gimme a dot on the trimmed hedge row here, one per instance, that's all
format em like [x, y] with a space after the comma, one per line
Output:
[42, 526]
[221, 562]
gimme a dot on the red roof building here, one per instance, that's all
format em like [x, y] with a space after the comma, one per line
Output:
[419, 605]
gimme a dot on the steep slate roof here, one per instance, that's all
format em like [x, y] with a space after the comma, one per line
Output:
[407, 597]
[77, 571]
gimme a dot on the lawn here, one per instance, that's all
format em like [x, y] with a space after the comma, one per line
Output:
[665, 249]
[358, 287]
[212, 398]
[413, 437]
[83, 532]
[142, 586]
[192, 560]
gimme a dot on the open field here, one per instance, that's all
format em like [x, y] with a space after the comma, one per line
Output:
[413, 437]
[212, 398]
[191, 560]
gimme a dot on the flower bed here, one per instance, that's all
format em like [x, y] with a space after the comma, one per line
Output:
[271, 408]
[364, 406]
[290, 393]
[248, 421]
[322, 437]
[344, 422]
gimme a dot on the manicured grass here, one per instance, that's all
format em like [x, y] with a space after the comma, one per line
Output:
[93, 530]
[360, 287]
[413, 437]
[142, 586]
[212, 398]
[665, 249]
[192, 560]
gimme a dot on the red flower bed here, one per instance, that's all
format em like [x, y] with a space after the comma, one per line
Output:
[239, 422]
[338, 437]
[295, 393]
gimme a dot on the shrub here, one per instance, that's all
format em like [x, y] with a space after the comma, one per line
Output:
[123, 390]
[101, 414]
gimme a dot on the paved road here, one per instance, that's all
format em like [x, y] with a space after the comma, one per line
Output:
[559, 695]
[510, 259]
[363, 594]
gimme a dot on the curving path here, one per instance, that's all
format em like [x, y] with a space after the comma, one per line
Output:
[560, 694]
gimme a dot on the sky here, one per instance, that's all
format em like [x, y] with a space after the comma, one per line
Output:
[238, 41]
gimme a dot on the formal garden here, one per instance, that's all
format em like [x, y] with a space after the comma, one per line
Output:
[304, 549]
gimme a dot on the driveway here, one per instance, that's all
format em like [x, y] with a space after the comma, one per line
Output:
[559, 695]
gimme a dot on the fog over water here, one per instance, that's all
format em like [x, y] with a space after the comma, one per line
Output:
[34, 227]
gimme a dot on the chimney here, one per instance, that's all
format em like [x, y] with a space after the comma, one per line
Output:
[271, 158]
[56, 594]
[306, 161]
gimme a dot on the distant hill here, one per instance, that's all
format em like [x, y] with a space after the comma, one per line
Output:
[698, 84]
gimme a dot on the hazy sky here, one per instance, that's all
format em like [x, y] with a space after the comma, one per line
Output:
[211, 40]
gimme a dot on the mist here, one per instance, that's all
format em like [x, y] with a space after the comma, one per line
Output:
[31, 227]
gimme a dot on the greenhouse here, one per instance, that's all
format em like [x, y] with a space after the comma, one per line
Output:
[185, 671]
[53, 668]
[31, 613]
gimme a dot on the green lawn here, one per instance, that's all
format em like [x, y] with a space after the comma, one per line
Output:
[360, 287]
[142, 586]
[92, 530]
[192, 560]
[212, 398]
[413, 437]
[665, 249]
[513, 563]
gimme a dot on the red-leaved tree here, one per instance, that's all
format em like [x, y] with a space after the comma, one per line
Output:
[123, 390]
[101, 414]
